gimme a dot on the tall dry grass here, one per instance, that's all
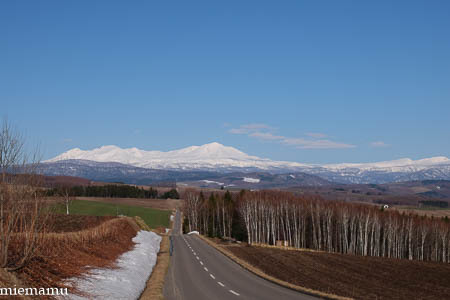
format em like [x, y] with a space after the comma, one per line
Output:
[107, 231]
[70, 254]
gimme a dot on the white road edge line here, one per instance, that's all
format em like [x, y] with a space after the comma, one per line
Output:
[212, 276]
[221, 284]
[233, 292]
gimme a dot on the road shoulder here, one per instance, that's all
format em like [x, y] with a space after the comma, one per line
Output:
[155, 283]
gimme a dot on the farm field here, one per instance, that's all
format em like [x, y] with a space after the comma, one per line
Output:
[350, 276]
[153, 217]
[424, 211]
[165, 204]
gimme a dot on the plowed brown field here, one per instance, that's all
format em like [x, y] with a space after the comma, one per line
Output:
[351, 276]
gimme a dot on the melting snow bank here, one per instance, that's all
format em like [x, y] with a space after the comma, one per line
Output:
[128, 280]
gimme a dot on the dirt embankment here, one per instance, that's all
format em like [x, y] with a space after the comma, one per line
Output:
[69, 252]
[72, 223]
[350, 276]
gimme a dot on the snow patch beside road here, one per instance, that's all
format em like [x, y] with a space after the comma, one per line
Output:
[128, 280]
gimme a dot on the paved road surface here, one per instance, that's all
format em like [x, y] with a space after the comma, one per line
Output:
[197, 271]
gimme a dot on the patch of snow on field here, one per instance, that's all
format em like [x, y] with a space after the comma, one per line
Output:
[251, 180]
[214, 182]
[128, 280]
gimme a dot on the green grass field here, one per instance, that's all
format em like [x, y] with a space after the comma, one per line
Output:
[153, 217]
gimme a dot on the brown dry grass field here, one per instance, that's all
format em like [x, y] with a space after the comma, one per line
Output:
[163, 204]
[67, 253]
[350, 276]
[64, 223]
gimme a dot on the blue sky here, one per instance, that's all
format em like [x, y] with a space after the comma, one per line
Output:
[316, 81]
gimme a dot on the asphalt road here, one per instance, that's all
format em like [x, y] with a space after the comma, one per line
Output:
[197, 271]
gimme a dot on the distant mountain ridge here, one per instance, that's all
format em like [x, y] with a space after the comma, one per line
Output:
[215, 157]
[117, 172]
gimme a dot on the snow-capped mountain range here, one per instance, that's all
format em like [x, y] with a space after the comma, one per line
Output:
[219, 158]
[213, 156]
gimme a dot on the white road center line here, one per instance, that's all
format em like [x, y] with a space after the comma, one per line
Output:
[197, 258]
[206, 269]
[201, 263]
[221, 284]
[212, 276]
[233, 292]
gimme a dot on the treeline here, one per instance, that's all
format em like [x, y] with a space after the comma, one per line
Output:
[211, 214]
[307, 222]
[434, 203]
[113, 191]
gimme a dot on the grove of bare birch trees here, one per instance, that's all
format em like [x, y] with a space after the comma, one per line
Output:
[313, 223]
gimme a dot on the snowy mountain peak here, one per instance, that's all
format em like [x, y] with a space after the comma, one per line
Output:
[214, 150]
[217, 157]
[213, 145]
[194, 157]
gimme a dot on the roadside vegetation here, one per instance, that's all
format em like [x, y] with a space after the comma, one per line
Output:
[66, 254]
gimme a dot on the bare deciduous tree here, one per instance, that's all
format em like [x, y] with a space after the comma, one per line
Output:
[22, 217]
[274, 217]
